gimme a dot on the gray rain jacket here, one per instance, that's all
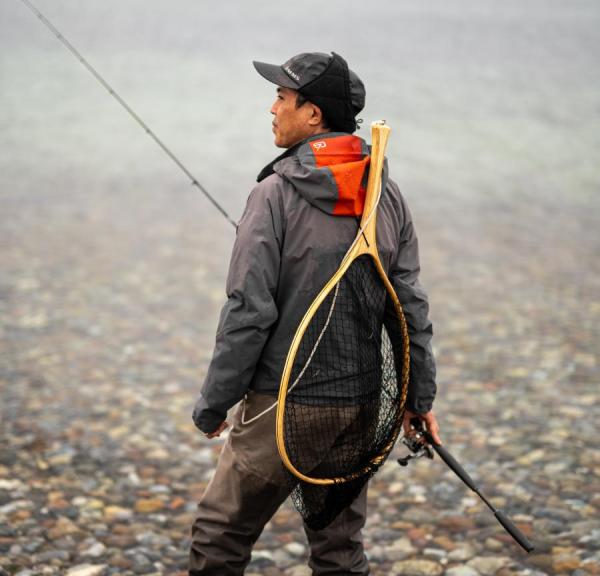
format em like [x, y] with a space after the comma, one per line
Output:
[299, 222]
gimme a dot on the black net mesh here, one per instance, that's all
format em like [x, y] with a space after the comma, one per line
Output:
[345, 398]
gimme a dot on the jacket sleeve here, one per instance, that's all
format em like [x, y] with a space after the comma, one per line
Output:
[404, 276]
[250, 310]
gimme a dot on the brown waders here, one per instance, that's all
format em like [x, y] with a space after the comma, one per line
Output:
[247, 488]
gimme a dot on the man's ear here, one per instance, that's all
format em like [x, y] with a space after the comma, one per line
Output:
[316, 117]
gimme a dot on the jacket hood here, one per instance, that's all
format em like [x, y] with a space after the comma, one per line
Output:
[328, 170]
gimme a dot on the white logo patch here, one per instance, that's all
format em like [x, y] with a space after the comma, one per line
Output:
[292, 74]
[319, 145]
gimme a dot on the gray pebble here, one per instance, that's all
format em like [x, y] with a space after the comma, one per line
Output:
[295, 549]
[33, 545]
[7, 531]
[154, 540]
[417, 568]
[96, 550]
[462, 553]
[461, 571]
[488, 565]
[399, 550]
[282, 559]
[298, 571]
[50, 555]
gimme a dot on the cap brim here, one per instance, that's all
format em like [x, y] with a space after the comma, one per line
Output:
[273, 73]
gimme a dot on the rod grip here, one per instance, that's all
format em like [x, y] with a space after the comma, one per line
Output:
[451, 462]
[513, 531]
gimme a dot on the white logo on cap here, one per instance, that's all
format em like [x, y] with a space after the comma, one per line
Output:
[318, 145]
[292, 74]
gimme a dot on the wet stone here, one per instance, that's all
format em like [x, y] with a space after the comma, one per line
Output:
[87, 570]
[417, 568]
[282, 559]
[152, 539]
[376, 554]
[143, 568]
[461, 571]
[488, 565]
[121, 562]
[435, 554]
[7, 531]
[462, 553]
[558, 514]
[33, 545]
[117, 513]
[295, 549]
[147, 505]
[141, 564]
[543, 561]
[50, 555]
[298, 571]
[399, 550]
[95, 550]
[493, 544]
[63, 527]
[457, 523]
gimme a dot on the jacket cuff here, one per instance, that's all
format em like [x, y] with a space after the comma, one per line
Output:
[419, 406]
[206, 419]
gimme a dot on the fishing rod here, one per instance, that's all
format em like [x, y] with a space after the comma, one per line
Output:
[129, 110]
[420, 449]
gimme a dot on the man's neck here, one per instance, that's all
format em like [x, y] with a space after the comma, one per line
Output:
[317, 132]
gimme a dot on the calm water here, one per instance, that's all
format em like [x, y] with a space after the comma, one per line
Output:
[486, 99]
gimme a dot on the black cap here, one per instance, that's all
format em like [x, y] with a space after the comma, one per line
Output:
[324, 80]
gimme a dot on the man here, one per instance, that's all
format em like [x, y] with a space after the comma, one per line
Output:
[299, 221]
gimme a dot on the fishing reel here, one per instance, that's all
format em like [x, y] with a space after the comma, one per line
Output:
[417, 444]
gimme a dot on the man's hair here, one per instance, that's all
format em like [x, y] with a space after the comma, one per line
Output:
[301, 100]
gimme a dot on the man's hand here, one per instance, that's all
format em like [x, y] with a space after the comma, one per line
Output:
[216, 433]
[430, 421]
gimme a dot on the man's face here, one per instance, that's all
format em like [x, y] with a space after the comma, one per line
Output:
[291, 123]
